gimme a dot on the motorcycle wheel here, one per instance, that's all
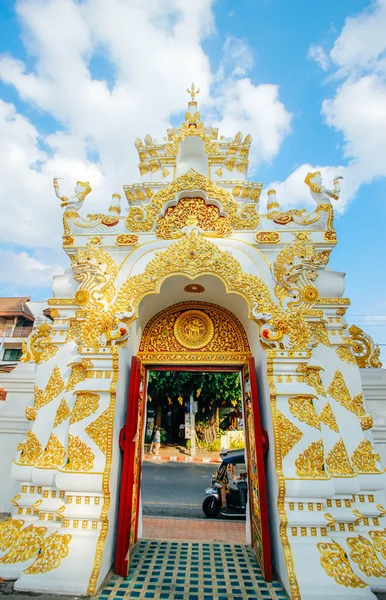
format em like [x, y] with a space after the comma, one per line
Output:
[211, 507]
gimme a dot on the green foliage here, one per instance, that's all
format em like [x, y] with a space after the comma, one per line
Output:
[214, 446]
[210, 389]
[237, 443]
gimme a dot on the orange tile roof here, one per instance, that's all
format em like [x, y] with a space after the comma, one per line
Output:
[10, 307]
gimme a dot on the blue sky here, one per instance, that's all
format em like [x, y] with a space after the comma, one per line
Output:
[80, 80]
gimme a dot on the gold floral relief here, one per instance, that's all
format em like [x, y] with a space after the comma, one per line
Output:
[54, 550]
[303, 408]
[78, 373]
[365, 351]
[9, 532]
[26, 546]
[125, 239]
[63, 412]
[364, 555]
[319, 333]
[192, 211]
[345, 353]
[337, 460]
[31, 450]
[39, 347]
[143, 219]
[339, 391]
[327, 417]
[289, 434]
[267, 237]
[85, 405]
[310, 463]
[367, 422]
[54, 387]
[31, 413]
[98, 431]
[379, 540]
[312, 377]
[80, 457]
[212, 331]
[54, 454]
[364, 458]
[336, 564]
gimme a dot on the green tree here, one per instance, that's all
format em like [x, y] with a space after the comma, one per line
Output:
[211, 389]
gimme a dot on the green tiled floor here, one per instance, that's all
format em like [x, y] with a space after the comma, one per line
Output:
[192, 571]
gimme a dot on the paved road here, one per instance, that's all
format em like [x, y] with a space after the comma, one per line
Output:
[173, 489]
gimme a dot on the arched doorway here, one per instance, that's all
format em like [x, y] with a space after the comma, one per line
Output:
[192, 336]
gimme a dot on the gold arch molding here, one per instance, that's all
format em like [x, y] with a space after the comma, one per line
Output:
[194, 333]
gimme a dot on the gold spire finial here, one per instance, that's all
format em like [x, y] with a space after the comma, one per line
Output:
[192, 91]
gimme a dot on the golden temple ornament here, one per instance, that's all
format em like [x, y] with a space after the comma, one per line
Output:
[194, 329]
[193, 92]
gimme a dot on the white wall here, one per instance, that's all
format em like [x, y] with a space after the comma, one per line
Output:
[19, 385]
[374, 390]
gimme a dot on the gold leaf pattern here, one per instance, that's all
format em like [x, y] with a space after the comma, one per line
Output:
[206, 216]
[140, 219]
[320, 333]
[26, 546]
[289, 434]
[98, 430]
[311, 462]
[366, 352]
[86, 403]
[312, 377]
[54, 549]
[78, 373]
[337, 460]
[327, 417]
[344, 352]
[39, 348]
[80, 457]
[63, 412]
[367, 422]
[363, 553]
[53, 455]
[379, 539]
[339, 391]
[55, 386]
[336, 564]
[303, 408]
[9, 531]
[31, 449]
[160, 342]
[364, 458]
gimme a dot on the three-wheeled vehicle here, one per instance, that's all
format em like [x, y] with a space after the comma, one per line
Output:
[230, 483]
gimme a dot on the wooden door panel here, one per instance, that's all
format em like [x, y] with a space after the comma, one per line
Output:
[131, 441]
[256, 473]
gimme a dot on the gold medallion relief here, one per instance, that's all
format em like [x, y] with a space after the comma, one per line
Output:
[194, 329]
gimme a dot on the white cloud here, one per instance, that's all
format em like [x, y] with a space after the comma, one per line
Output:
[154, 49]
[358, 108]
[362, 40]
[237, 55]
[19, 269]
[319, 55]
[256, 110]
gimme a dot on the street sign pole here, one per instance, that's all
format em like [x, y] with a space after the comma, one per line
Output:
[192, 428]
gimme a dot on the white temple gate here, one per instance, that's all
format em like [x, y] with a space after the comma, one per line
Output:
[195, 219]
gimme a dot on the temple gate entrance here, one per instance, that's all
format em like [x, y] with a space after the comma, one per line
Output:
[192, 336]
